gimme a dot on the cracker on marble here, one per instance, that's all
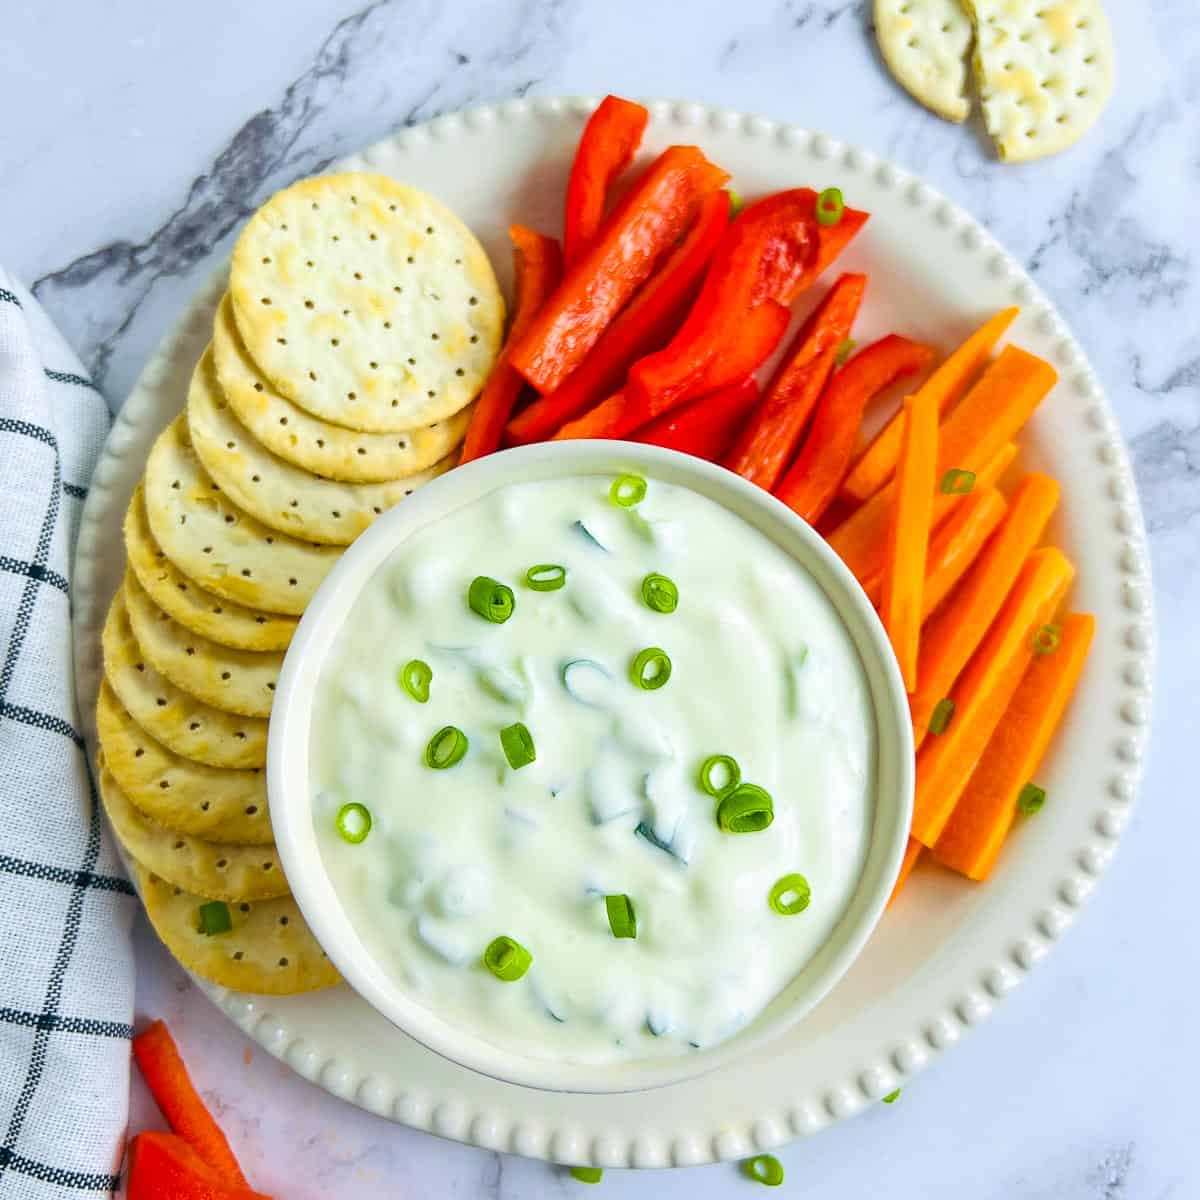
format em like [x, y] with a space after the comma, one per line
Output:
[366, 302]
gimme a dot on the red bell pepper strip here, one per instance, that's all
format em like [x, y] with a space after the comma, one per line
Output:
[768, 443]
[646, 324]
[162, 1166]
[771, 253]
[167, 1078]
[610, 140]
[814, 478]
[537, 270]
[648, 221]
[705, 427]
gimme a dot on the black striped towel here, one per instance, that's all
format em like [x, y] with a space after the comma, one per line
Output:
[66, 967]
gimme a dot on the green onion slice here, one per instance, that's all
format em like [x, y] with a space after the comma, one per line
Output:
[1031, 799]
[730, 775]
[1047, 639]
[491, 599]
[764, 1168]
[447, 747]
[627, 490]
[790, 895]
[942, 715]
[651, 668]
[956, 482]
[660, 593]
[622, 920]
[736, 203]
[353, 822]
[213, 918]
[892, 1097]
[517, 743]
[844, 350]
[830, 206]
[587, 1174]
[506, 959]
[415, 677]
[546, 577]
[747, 809]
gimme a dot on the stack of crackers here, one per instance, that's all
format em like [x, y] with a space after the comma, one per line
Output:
[362, 319]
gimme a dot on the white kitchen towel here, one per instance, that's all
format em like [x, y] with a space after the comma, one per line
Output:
[66, 964]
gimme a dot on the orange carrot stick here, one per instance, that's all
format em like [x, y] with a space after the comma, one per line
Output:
[811, 482]
[986, 478]
[167, 1078]
[957, 544]
[973, 837]
[911, 853]
[946, 762]
[908, 536]
[952, 636]
[877, 463]
[537, 269]
[990, 414]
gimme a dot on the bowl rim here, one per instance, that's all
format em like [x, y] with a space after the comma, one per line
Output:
[288, 754]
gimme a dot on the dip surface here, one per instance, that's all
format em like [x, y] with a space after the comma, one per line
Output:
[762, 669]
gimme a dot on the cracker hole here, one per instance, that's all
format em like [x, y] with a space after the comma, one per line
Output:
[315, 206]
[208, 550]
[334, 342]
[308, 262]
[373, 237]
[194, 725]
[459, 371]
[397, 289]
[190, 651]
[179, 845]
[260, 620]
[218, 609]
[402, 444]
[357, 274]
[240, 735]
[231, 445]
[251, 809]
[294, 503]
[428, 228]
[164, 784]
[225, 675]
[412, 362]
[161, 701]
[431, 393]
[474, 338]
[345, 312]
[374, 366]
[237, 956]
[175, 485]
[267, 866]
[283, 962]
[337, 516]
[256, 479]
[139, 752]
[266, 300]
[244, 907]
[283, 920]
[376, 509]
[282, 341]
[473, 300]
[360, 450]
[309, 304]
[351, 395]
[205, 805]
[321, 443]
[434, 337]
[387, 324]
[266, 259]
[336, 238]
[258, 387]
[141, 666]
[291, 583]
[228, 518]
[222, 863]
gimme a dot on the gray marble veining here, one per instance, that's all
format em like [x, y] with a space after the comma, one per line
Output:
[134, 142]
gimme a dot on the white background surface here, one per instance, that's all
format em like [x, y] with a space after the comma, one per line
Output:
[132, 146]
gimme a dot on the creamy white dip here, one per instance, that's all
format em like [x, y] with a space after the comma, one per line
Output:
[762, 669]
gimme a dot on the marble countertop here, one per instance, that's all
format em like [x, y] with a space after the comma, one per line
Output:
[133, 148]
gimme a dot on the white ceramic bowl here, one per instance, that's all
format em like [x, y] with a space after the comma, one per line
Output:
[288, 758]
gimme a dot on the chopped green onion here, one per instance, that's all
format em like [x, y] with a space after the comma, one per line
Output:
[736, 203]
[1031, 799]
[447, 747]
[415, 677]
[651, 668]
[747, 809]
[517, 743]
[943, 714]
[353, 823]
[627, 490]
[892, 1097]
[491, 599]
[622, 920]
[764, 1168]
[214, 918]
[733, 775]
[660, 593]
[507, 959]
[1046, 640]
[956, 482]
[844, 350]
[830, 206]
[546, 577]
[790, 895]
[587, 1174]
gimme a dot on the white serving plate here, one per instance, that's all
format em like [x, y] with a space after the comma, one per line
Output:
[949, 950]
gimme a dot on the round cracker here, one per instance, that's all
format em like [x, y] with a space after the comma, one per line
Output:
[270, 949]
[219, 545]
[236, 681]
[366, 302]
[211, 869]
[176, 718]
[274, 491]
[315, 445]
[213, 802]
[926, 44]
[201, 611]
